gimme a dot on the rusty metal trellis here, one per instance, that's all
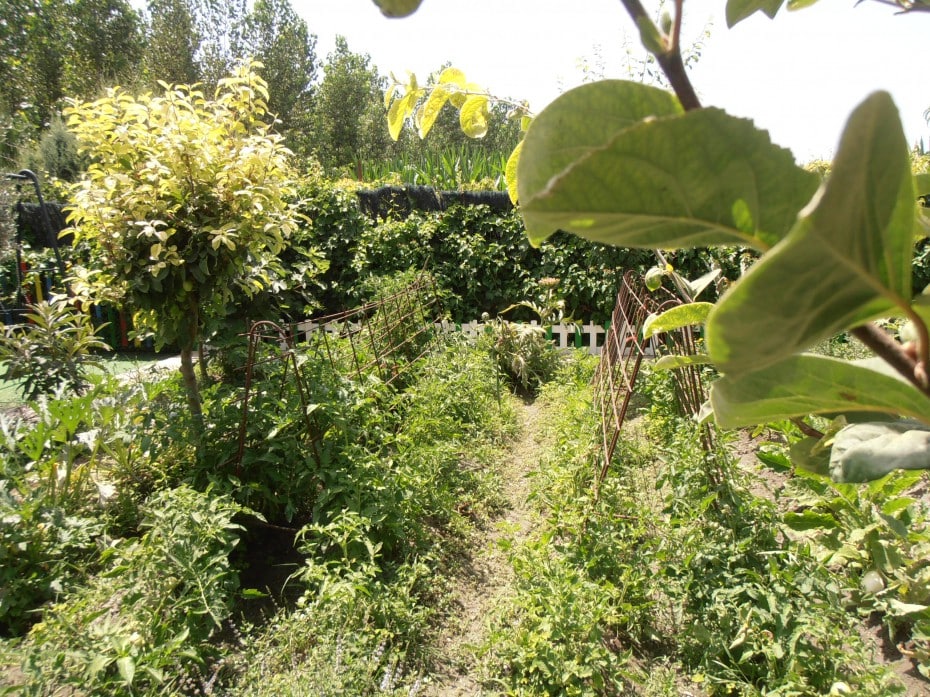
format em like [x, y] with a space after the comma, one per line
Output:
[385, 336]
[624, 350]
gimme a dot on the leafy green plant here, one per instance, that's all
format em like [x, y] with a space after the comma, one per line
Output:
[522, 352]
[145, 625]
[185, 206]
[52, 351]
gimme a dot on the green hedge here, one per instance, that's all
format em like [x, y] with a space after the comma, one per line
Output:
[479, 256]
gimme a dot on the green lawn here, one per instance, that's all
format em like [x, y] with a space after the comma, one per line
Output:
[115, 364]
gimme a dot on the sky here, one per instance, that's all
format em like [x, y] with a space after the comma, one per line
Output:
[798, 76]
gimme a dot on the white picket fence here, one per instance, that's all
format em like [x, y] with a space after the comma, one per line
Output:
[564, 336]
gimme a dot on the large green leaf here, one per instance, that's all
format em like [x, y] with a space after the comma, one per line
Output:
[808, 384]
[684, 180]
[847, 260]
[582, 120]
[865, 452]
[738, 10]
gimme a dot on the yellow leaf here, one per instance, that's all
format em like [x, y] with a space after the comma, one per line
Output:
[389, 94]
[396, 116]
[429, 112]
[474, 116]
[510, 172]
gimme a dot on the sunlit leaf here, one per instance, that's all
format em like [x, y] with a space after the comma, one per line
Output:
[677, 317]
[474, 116]
[809, 520]
[808, 384]
[665, 182]
[868, 451]
[698, 285]
[510, 172]
[673, 362]
[429, 111]
[127, 668]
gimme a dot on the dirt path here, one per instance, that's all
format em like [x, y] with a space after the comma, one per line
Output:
[487, 575]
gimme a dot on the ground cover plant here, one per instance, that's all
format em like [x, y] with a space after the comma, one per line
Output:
[674, 580]
[131, 545]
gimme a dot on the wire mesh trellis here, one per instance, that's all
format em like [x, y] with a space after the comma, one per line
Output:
[384, 336]
[624, 350]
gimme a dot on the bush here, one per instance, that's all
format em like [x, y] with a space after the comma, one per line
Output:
[52, 352]
[145, 625]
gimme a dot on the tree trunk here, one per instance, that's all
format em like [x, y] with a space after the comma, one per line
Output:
[187, 361]
[190, 380]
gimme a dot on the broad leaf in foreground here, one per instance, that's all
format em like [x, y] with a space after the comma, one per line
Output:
[864, 452]
[848, 260]
[584, 119]
[809, 384]
[738, 10]
[664, 181]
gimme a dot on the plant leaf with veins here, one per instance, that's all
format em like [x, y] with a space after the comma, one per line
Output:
[738, 10]
[666, 180]
[808, 384]
[848, 259]
[677, 317]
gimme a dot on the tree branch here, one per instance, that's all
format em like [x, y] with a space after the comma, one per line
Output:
[670, 59]
[885, 347]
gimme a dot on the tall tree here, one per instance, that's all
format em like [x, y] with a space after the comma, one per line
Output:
[274, 35]
[348, 110]
[171, 43]
[105, 46]
[192, 41]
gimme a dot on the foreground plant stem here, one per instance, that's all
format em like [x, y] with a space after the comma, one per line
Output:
[885, 347]
[670, 59]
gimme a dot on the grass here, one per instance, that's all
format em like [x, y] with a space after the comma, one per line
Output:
[113, 364]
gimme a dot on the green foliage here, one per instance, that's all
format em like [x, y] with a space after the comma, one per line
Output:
[523, 353]
[578, 604]
[185, 206]
[336, 225]
[52, 351]
[145, 624]
[482, 261]
[832, 260]
[453, 169]
[45, 548]
[876, 535]
[275, 36]
[56, 154]
[675, 566]
[79, 469]
[348, 111]
[406, 479]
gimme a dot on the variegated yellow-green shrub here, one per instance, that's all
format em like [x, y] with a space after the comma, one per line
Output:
[185, 206]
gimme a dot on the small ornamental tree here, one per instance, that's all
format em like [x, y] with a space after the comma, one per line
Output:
[185, 206]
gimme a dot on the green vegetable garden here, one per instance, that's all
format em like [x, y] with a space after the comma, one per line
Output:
[352, 455]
